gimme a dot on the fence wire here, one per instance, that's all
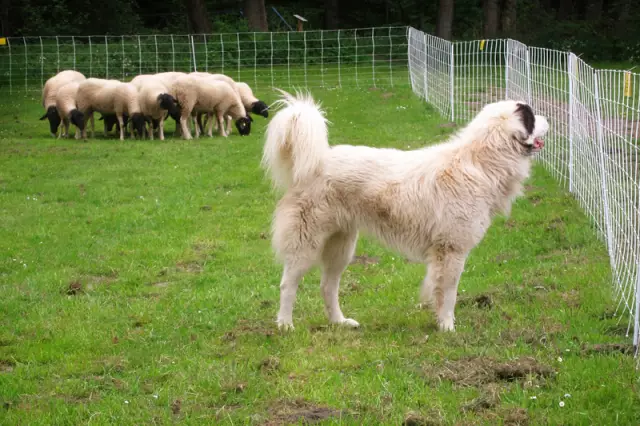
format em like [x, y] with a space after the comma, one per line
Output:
[593, 143]
[362, 57]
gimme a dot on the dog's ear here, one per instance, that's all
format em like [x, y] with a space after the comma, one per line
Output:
[527, 117]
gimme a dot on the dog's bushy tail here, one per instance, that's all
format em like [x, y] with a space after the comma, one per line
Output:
[296, 140]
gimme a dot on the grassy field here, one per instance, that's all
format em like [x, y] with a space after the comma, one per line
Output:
[137, 285]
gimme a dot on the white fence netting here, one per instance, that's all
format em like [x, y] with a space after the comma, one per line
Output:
[593, 145]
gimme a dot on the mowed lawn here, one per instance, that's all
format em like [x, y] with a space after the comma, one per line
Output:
[138, 286]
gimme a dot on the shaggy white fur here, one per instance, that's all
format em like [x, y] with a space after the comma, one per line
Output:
[432, 204]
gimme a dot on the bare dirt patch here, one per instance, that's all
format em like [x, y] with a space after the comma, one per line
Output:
[414, 419]
[489, 398]
[482, 301]
[245, 327]
[269, 365]
[192, 267]
[301, 411]
[6, 365]
[386, 95]
[516, 417]
[476, 371]
[365, 260]
[74, 288]
[608, 348]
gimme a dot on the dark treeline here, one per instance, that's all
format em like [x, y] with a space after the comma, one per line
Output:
[596, 29]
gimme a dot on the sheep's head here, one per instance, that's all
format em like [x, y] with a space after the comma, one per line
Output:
[243, 124]
[139, 124]
[260, 108]
[54, 119]
[77, 119]
[169, 103]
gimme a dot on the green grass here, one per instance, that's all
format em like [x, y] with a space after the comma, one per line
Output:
[137, 285]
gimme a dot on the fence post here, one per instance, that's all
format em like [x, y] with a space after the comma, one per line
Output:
[571, 70]
[193, 54]
[424, 69]
[139, 57]
[452, 82]
[58, 52]
[90, 58]
[106, 56]
[222, 53]
[304, 37]
[122, 44]
[73, 43]
[288, 59]
[41, 63]
[636, 315]
[322, 57]
[271, 39]
[206, 54]
[26, 66]
[255, 60]
[173, 55]
[528, 70]
[239, 57]
[390, 57]
[355, 38]
[506, 68]
[373, 56]
[603, 171]
[155, 41]
[339, 71]
[10, 68]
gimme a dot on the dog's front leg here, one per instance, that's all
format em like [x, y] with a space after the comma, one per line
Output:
[441, 286]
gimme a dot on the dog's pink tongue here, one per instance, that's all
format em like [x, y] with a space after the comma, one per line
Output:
[538, 143]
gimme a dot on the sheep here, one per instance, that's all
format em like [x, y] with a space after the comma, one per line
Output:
[199, 94]
[111, 120]
[110, 97]
[95, 95]
[49, 96]
[155, 101]
[251, 103]
[66, 107]
[127, 102]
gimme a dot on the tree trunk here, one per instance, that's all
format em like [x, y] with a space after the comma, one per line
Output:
[4, 18]
[256, 14]
[197, 14]
[593, 11]
[331, 20]
[565, 10]
[445, 19]
[491, 12]
[508, 18]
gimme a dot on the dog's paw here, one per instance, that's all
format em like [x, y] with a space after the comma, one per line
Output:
[446, 325]
[348, 322]
[285, 325]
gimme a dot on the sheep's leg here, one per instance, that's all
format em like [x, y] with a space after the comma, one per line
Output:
[93, 135]
[121, 122]
[229, 128]
[197, 127]
[210, 121]
[221, 123]
[186, 133]
[150, 129]
[161, 128]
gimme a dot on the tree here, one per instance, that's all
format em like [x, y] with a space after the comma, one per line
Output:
[256, 15]
[331, 20]
[508, 18]
[491, 12]
[197, 14]
[593, 10]
[444, 23]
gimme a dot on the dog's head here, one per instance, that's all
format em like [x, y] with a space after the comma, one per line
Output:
[243, 124]
[513, 123]
[54, 119]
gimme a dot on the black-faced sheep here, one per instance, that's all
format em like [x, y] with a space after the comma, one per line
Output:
[49, 92]
[156, 101]
[201, 94]
[67, 110]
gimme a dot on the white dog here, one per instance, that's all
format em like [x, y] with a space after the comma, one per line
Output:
[432, 204]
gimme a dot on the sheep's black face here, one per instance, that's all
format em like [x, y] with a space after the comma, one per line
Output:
[169, 103]
[77, 119]
[260, 108]
[138, 124]
[155, 123]
[54, 119]
[243, 124]
[110, 120]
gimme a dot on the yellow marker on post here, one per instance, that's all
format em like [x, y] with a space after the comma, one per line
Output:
[482, 44]
[3, 41]
[627, 84]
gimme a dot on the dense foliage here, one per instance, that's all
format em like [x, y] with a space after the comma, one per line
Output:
[596, 29]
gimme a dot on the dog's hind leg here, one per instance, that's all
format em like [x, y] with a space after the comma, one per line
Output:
[336, 256]
[441, 285]
[294, 270]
